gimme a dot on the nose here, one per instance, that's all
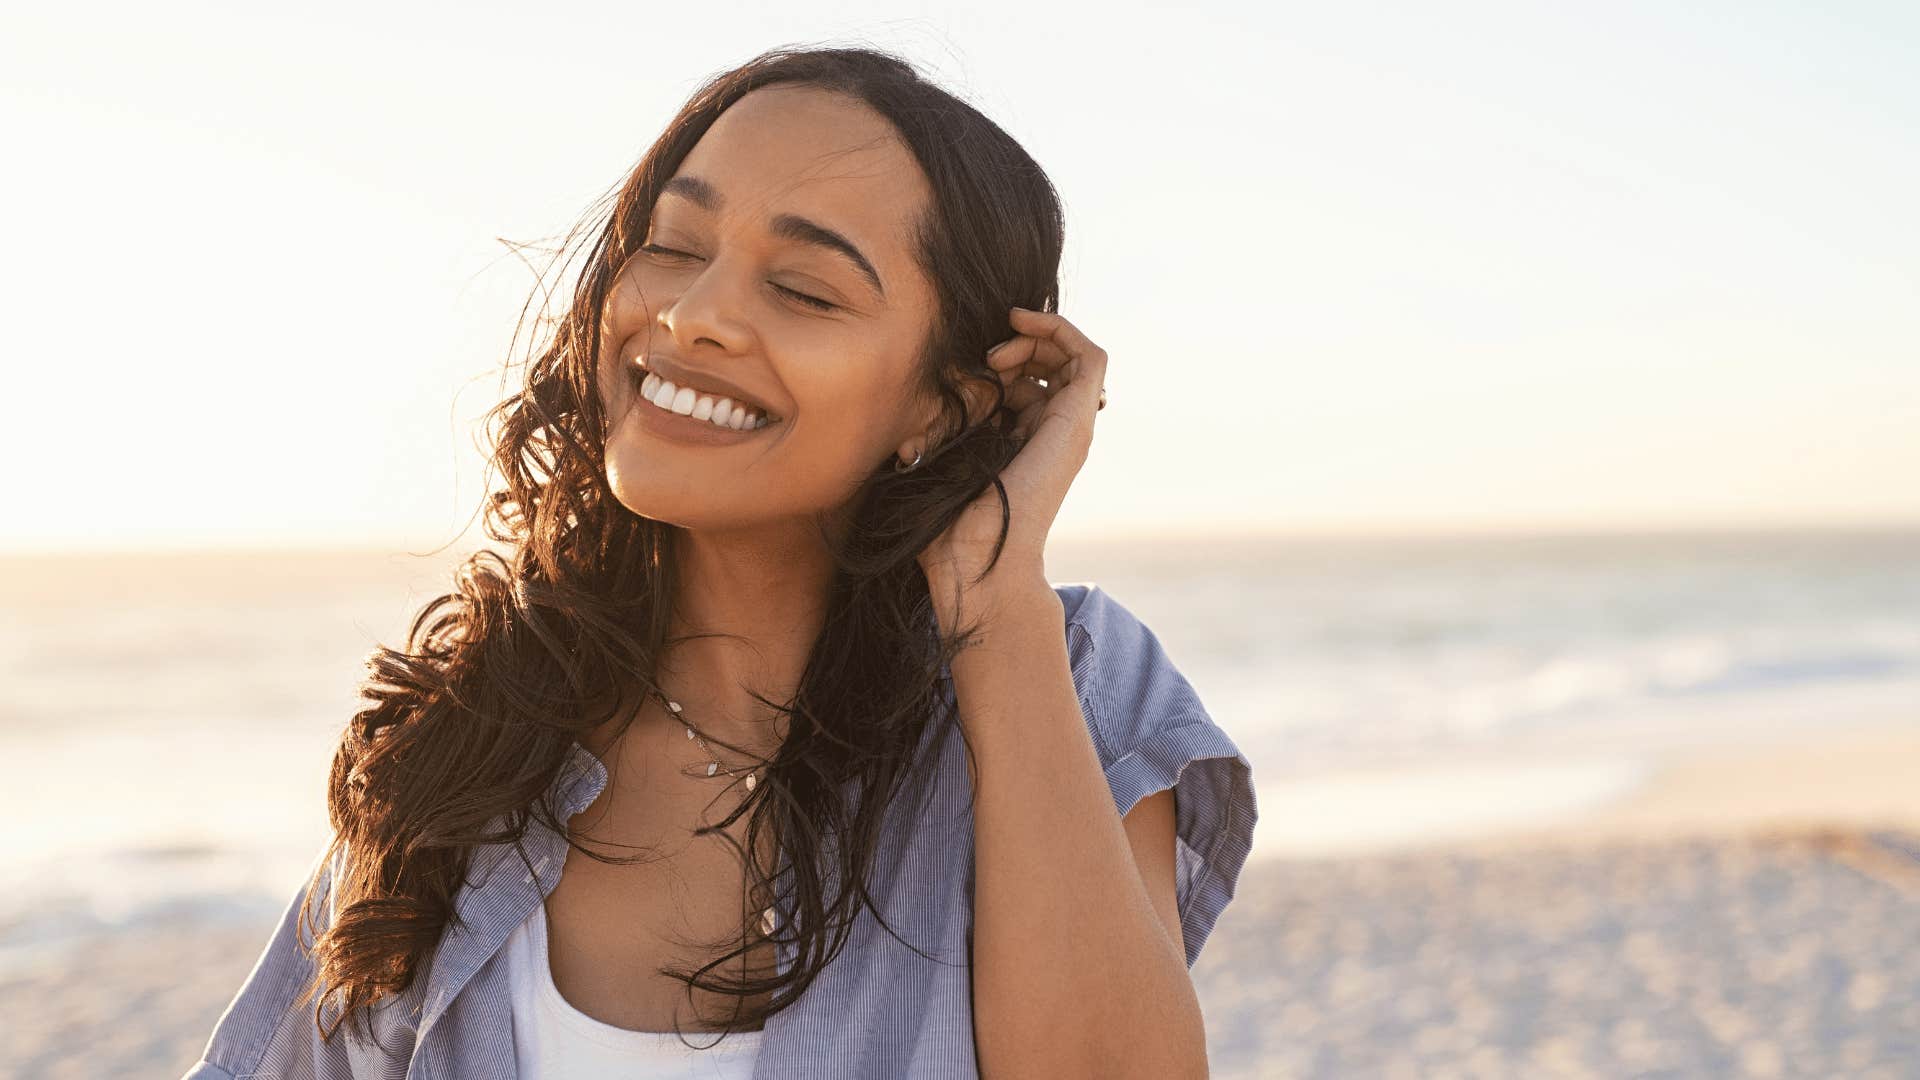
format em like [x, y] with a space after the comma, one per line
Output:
[706, 310]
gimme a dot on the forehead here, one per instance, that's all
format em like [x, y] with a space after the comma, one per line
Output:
[807, 151]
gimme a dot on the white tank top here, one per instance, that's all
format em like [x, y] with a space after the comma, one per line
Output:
[553, 1040]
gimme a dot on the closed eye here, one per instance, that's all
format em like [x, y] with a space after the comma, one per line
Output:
[811, 301]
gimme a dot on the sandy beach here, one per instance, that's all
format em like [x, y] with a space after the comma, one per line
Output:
[1789, 954]
[1746, 912]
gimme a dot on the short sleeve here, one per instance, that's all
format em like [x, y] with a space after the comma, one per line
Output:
[1153, 733]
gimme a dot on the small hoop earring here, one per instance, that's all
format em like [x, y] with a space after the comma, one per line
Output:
[910, 466]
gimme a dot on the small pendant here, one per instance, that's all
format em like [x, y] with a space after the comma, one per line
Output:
[675, 706]
[689, 733]
[713, 768]
[766, 922]
[749, 781]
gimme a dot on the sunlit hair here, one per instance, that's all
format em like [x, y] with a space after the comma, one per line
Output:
[466, 730]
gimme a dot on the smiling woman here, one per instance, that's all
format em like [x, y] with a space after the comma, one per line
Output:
[782, 267]
[775, 508]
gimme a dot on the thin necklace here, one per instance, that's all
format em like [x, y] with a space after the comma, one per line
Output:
[716, 766]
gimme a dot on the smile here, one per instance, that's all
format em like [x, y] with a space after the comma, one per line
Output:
[682, 414]
[717, 410]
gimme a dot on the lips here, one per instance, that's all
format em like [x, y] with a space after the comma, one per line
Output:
[702, 383]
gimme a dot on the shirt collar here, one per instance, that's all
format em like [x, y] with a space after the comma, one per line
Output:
[513, 879]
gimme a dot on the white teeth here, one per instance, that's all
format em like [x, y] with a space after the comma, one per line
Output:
[723, 412]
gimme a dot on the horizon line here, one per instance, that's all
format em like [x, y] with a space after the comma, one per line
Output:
[1223, 531]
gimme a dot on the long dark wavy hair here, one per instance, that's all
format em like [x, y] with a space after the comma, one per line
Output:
[467, 728]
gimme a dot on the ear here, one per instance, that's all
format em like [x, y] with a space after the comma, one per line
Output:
[979, 396]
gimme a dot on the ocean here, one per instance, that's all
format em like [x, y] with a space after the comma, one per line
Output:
[167, 720]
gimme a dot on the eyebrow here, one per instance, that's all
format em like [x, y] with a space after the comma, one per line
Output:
[786, 226]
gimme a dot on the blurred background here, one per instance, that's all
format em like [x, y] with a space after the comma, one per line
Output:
[1515, 416]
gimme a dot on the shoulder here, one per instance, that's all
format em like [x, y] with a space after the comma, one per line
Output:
[1127, 680]
[1099, 622]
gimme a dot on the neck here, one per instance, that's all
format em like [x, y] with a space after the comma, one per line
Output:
[762, 595]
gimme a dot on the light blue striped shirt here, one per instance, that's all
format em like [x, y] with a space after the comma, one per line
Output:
[878, 1009]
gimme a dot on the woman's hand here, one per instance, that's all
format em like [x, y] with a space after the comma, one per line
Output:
[1055, 425]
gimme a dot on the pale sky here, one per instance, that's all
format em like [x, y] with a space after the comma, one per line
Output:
[1356, 266]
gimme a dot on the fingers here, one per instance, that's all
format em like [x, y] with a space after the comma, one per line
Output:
[1030, 356]
[1049, 352]
[1074, 364]
[1023, 392]
[1051, 349]
[1053, 326]
[1025, 354]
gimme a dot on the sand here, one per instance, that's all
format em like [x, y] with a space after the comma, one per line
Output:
[1782, 955]
[1750, 912]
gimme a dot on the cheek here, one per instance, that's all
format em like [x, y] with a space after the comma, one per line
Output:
[832, 442]
[623, 315]
[855, 416]
[610, 378]
[623, 304]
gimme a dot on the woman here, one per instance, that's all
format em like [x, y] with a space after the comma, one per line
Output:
[776, 513]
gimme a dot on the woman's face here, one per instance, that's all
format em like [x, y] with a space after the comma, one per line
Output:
[753, 221]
